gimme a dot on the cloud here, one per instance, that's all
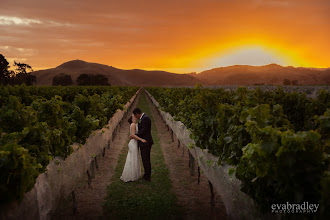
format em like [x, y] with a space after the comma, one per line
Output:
[23, 52]
[7, 21]
[28, 22]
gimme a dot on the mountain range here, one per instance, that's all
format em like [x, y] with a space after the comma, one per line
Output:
[232, 75]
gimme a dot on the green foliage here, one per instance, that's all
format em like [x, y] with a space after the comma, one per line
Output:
[40, 123]
[278, 143]
[18, 168]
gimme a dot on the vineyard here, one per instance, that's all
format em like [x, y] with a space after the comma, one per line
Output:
[277, 143]
[38, 124]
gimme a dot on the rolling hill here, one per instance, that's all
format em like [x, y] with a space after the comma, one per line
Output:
[270, 74]
[116, 76]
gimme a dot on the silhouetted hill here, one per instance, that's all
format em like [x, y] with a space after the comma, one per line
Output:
[116, 76]
[269, 74]
[232, 75]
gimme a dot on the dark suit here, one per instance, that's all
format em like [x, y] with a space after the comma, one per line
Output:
[145, 133]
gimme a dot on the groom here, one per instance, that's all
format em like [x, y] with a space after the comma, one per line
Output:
[144, 131]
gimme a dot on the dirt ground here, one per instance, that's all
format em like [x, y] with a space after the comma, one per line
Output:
[194, 198]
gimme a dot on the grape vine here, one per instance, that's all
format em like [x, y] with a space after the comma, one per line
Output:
[278, 142]
[40, 123]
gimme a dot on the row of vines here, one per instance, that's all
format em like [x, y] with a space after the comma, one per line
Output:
[278, 143]
[38, 124]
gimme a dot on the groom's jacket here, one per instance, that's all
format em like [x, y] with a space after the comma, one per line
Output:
[145, 131]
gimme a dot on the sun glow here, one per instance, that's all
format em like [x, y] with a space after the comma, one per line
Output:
[251, 54]
[254, 56]
[254, 50]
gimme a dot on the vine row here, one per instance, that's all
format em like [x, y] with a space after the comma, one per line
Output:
[278, 142]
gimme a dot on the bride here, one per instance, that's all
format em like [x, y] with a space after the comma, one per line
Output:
[132, 169]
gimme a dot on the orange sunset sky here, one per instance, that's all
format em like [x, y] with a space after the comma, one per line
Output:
[173, 35]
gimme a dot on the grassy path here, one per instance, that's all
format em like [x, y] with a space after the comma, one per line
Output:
[141, 199]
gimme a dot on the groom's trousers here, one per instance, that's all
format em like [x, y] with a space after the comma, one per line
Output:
[145, 154]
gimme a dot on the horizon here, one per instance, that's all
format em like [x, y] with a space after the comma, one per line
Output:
[180, 37]
[151, 69]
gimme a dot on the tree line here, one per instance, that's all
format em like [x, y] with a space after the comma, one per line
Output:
[82, 80]
[21, 73]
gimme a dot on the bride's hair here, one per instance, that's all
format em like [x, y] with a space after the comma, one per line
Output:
[130, 121]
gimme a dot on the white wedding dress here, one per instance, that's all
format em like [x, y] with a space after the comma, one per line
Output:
[132, 169]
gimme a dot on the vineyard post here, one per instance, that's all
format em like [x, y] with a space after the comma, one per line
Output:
[199, 175]
[89, 179]
[178, 143]
[74, 203]
[113, 134]
[191, 164]
[212, 196]
[96, 165]
[91, 167]
[172, 136]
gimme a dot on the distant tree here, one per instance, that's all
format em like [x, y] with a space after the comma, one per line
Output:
[286, 82]
[294, 82]
[22, 68]
[83, 80]
[23, 74]
[4, 69]
[89, 79]
[101, 80]
[62, 79]
[20, 75]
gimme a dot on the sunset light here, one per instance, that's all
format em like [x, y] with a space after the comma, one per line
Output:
[178, 36]
[105, 103]
[254, 56]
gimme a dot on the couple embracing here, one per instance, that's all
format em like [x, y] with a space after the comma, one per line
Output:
[140, 135]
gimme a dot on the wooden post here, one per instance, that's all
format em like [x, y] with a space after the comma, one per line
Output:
[89, 180]
[212, 203]
[191, 164]
[91, 167]
[199, 175]
[113, 134]
[178, 143]
[74, 202]
[172, 136]
[96, 165]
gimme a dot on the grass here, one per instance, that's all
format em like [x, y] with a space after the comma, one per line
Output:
[141, 199]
